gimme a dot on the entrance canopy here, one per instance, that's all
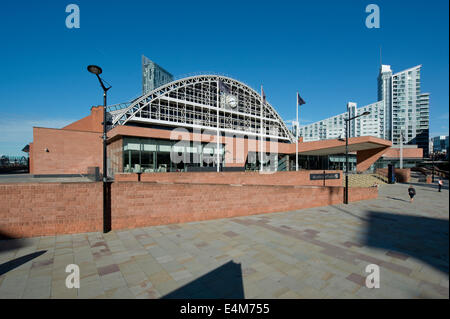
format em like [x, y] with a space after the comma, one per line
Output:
[355, 144]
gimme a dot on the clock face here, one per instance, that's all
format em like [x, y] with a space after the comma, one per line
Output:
[232, 101]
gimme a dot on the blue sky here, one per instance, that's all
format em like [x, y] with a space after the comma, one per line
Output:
[321, 48]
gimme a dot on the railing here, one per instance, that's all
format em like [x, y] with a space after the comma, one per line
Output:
[13, 161]
[116, 107]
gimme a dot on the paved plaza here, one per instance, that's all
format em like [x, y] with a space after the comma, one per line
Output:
[313, 253]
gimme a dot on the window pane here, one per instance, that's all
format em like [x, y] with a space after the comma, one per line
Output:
[147, 161]
[163, 162]
[135, 162]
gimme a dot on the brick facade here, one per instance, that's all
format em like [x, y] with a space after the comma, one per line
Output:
[77, 146]
[407, 152]
[365, 158]
[65, 151]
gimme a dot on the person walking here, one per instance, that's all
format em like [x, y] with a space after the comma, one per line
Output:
[440, 182]
[412, 193]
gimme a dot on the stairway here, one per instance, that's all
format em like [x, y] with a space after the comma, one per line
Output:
[365, 180]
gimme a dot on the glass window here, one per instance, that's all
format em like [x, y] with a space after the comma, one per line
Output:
[151, 155]
[147, 161]
[163, 162]
[126, 162]
[135, 161]
[164, 146]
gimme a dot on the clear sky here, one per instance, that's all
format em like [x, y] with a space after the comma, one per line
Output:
[321, 48]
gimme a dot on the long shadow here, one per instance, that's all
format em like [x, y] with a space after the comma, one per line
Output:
[12, 264]
[349, 213]
[223, 282]
[107, 220]
[419, 237]
[399, 199]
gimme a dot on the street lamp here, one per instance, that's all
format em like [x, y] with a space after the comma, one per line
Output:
[94, 69]
[347, 121]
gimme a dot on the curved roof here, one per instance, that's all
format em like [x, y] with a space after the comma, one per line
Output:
[193, 102]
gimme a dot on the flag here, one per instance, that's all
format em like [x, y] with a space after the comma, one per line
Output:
[300, 101]
[263, 95]
[223, 87]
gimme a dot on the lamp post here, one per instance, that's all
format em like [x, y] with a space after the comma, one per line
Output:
[97, 71]
[401, 148]
[347, 122]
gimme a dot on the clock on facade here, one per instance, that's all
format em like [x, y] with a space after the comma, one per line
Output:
[231, 100]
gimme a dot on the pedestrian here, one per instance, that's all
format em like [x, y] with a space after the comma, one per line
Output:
[440, 184]
[412, 193]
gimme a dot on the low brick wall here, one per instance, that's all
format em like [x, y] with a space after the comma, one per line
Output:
[138, 204]
[403, 175]
[50, 208]
[40, 209]
[289, 178]
[356, 194]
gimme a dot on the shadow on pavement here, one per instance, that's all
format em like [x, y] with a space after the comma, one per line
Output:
[402, 200]
[12, 264]
[423, 238]
[349, 213]
[222, 282]
[8, 242]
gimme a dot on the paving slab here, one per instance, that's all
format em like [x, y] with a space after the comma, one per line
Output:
[320, 252]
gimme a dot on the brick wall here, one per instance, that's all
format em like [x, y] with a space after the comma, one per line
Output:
[407, 152]
[31, 159]
[62, 208]
[356, 194]
[138, 204]
[91, 123]
[246, 178]
[50, 208]
[69, 152]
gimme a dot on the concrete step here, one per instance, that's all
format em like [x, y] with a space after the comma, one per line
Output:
[365, 180]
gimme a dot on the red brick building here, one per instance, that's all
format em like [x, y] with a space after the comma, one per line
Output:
[190, 125]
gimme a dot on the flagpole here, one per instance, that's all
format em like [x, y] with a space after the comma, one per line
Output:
[218, 101]
[296, 137]
[261, 129]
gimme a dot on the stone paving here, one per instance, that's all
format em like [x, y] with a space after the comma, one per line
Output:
[313, 253]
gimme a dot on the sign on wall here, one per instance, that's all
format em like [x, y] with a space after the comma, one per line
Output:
[315, 177]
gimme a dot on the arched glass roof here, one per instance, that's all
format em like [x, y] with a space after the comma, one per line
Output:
[196, 101]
